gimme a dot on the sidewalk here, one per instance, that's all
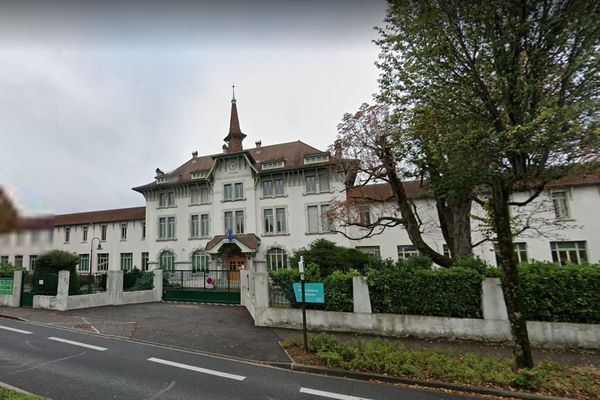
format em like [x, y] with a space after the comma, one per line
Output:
[569, 357]
[217, 329]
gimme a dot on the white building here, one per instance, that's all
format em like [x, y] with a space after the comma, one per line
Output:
[252, 207]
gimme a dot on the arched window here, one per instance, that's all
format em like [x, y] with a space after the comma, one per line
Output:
[276, 258]
[200, 261]
[167, 261]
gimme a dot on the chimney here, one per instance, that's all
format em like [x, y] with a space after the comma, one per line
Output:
[258, 143]
[195, 154]
[159, 172]
[224, 148]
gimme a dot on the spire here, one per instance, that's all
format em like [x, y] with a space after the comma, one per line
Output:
[235, 137]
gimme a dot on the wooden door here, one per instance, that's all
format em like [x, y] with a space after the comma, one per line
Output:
[234, 265]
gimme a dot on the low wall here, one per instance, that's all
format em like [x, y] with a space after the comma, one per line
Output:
[14, 299]
[114, 294]
[545, 334]
[493, 327]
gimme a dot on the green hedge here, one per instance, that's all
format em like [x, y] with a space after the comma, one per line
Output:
[453, 292]
[47, 267]
[561, 293]
[338, 286]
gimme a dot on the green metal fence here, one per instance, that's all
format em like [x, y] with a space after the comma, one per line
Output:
[6, 283]
[208, 286]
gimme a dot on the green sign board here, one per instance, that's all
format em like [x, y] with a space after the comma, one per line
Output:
[313, 292]
[6, 286]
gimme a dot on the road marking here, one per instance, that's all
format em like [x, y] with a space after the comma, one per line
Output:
[8, 328]
[91, 326]
[74, 343]
[330, 395]
[198, 369]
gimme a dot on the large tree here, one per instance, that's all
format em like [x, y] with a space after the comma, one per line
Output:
[518, 80]
[388, 150]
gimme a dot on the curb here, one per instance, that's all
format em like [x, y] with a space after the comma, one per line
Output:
[424, 384]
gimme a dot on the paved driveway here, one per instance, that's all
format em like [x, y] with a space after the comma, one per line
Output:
[219, 329]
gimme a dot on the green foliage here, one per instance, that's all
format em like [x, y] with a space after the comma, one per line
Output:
[138, 280]
[391, 357]
[562, 293]
[46, 270]
[9, 268]
[7, 394]
[331, 257]
[402, 289]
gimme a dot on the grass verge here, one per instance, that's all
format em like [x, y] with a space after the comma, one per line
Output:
[392, 358]
[7, 394]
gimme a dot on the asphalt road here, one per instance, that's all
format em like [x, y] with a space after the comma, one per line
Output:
[64, 364]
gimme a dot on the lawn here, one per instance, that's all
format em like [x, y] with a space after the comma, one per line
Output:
[392, 358]
[7, 394]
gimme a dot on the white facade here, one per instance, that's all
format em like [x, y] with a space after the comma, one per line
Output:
[273, 199]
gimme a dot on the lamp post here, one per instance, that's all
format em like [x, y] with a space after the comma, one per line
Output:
[304, 335]
[92, 258]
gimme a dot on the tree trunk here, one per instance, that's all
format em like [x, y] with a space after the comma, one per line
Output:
[460, 209]
[510, 282]
[410, 220]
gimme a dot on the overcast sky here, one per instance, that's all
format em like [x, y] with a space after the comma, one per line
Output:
[94, 97]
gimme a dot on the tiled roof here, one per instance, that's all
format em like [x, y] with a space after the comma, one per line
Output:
[36, 223]
[416, 189]
[115, 215]
[292, 152]
[249, 240]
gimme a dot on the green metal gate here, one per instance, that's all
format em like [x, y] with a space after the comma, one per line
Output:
[27, 290]
[44, 284]
[210, 286]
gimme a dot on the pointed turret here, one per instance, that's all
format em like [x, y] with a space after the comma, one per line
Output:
[235, 137]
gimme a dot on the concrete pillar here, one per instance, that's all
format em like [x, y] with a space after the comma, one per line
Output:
[492, 300]
[244, 287]
[261, 289]
[15, 300]
[360, 294]
[114, 286]
[158, 284]
[62, 292]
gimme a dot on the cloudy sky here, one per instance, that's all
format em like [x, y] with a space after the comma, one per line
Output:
[94, 97]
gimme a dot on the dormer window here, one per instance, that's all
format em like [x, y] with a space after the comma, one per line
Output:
[166, 179]
[314, 159]
[199, 175]
[273, 164]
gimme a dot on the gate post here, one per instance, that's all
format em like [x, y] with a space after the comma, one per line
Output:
[158, 284]
[114, 286]
[62, 292]
[15, 300]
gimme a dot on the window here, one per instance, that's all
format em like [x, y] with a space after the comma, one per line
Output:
[143, 230]
[204, 195]
[316, 159]
[84, 233]
[560, 204]
[166, 228]
[166, 199]
[268, 217]
[67, 234]
[84, 262]
[326, 222]
[126, 261]
[323, 182]
[124, 231]
[194, 226]
[204, 231]
[280, 223]
[407, 251]
[273, 164]
[311, 184]
[145, 261]
[199, 196]
[274, 220]
[200, 261]
[569, 252]
[520, 252]
[4, 260]
[372, 250]
[32, 261]
[167, 261]
[228, 221]
[364, 214]
[103, 232]
[195, 196]
[18, 261]
[233, 191]
[273, 187]
[313, 219]
[239, 222]
[102, 262]
[276, 258]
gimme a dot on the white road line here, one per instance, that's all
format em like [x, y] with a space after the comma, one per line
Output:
[198, 369]
[330, 395]
[91, 326]
[74, 343]
[8, 328]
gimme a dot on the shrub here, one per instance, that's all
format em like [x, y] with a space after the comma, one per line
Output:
[562, 293]
[443, 292]
[331, 257]
[338, 291]
[46, 271]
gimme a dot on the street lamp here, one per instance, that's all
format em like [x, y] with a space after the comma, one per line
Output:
[92, 258]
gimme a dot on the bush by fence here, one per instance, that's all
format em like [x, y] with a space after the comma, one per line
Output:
[443, 292]
[561, 293]
[138, 280]
[45, 273]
